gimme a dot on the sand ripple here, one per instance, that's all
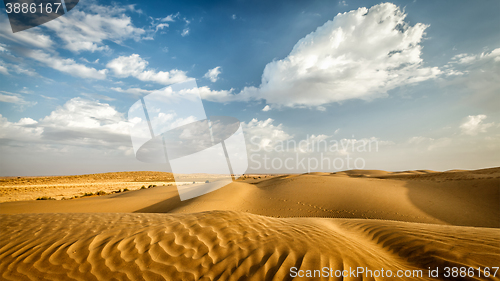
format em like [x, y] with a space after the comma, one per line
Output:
[221, 245]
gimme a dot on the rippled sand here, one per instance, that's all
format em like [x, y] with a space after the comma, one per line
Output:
[258, 229]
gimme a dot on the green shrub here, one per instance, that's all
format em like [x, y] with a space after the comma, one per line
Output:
[100, 192]
[143, 187]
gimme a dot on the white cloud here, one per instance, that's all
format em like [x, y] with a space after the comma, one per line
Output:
[87, 27]
[19, 68]
[132, 91]
[77, 122]
[79, 113]
[266, 108]
[217, 96]
[471, 58]
[463, 58]
[170, 18]
[132, 65]
[23, 130]
[264, 133]
[185, 32]
[15, 99]
[31, 37]
[213, 74]
[157, 24]
[135, 66]
[361, 54]
[10, 98]
[474, 125]
[133, 9]
[233, 16]
[3, 70]
[78, 125]
[161, 26]
[67, 65]
[48, 98]
[205, 92]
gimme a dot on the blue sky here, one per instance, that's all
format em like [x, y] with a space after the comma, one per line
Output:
[420, 78]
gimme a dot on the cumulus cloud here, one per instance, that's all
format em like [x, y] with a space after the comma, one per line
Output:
[474, 125]
[361, 54]
[67, 65]
[23, 130]
[135, 66]
[89, 26]
[264, 133]
[266, 108]
[83, 114]
[213, 74]
[78, 122]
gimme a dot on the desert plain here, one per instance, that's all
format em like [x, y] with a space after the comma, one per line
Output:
[417, 225]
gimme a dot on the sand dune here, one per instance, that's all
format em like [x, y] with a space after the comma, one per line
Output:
[259, 228]
[228, 246]
[470, 198]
